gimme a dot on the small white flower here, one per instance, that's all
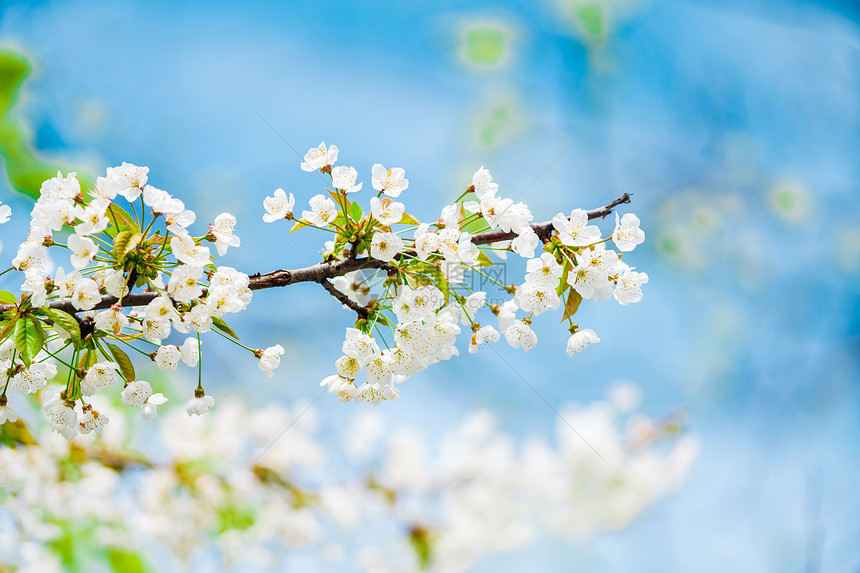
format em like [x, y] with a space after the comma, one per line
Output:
[60, 187]
[348, 366]
[150, 409]
[222, 228]
[343, 178]
[177, 222]
[156, 329]
[167, 357]
[526, 242]
[544, 270]
[7, 410]
[387, 212]
[575, 230]
[161, 201]
[187, 251]
[112, 320]
[199, 405]
[5, 213]
[93, 220]
[92, 421]
[99, 376]
[278, 206]
[136, 393]
[271, 359]
[385, 246]
[519, 335]
[83, 250]
[323, 211]
[580, 339]
[392, 182]
[627, 233]
[183, 285]
[35, 377]
[190, 351]
[319, 157]
[127, 180]
[86, 294]
[537, 297]
[483, 183]
[483, 335]
[628, 288]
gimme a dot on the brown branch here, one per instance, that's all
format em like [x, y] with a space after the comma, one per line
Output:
[344, 299]
[322, 272]
[544, 229]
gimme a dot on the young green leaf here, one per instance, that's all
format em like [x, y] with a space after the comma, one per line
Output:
[572, 304]
[123, 361]
[408, 219]
[219, 323]
[65, 321]
[29, 338]
[7, 297]
[355, 212]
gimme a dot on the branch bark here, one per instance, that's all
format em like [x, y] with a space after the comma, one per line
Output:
[322, 272]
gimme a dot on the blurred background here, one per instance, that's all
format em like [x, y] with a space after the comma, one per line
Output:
[735, 125]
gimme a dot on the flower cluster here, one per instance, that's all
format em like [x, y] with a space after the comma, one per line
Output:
[233, 481]
[421, 295]
[135, 274]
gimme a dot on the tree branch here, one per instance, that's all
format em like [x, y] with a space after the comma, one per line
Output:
[544, 229]
[322, 272]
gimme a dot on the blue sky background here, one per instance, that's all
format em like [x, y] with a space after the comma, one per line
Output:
[736, 125]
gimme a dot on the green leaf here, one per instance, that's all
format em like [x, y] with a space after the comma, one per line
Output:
[563, 282]
[124, 362]
[29, 338]
[219, 323]
[572, 304]
[65, 321]
[125, 561]
[125, 242]
[355, 212]
[408, 219]
[7, 297]
[7, 327]
[484, 260]
[124, 221]
[299, 224]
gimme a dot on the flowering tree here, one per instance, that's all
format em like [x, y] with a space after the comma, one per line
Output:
[136, 272]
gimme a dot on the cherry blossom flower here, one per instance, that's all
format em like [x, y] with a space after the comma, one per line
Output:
[199, 405]
[519, 335]
[580, 339]
[222, 228]
[279, 206]
[270, 359]
[627, 233]
[5, 213]
[323, 211]
[575, 230]
[387, 212]
[343, 178]
[629, 287]
[319, 157]
[83, 250]
[482, 181]
[187, 251]
[392, 182]
[385, 246]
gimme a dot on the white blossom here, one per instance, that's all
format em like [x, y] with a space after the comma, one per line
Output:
[127, 180]
[628, 288]
[271, 359]
[222, 228]
[519, 335]
[580, 339]
[323, 211]
[483, 183]
[198, 406]
[187, 251]
[343, 178]
[627, 233]
[387, 212]
[385, 246]
[575, 230]
[319, 157]
[391, 182]
[278, 206]
[83, 250]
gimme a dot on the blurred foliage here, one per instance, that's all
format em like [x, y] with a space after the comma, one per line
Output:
[486, 44]
[24, 169]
